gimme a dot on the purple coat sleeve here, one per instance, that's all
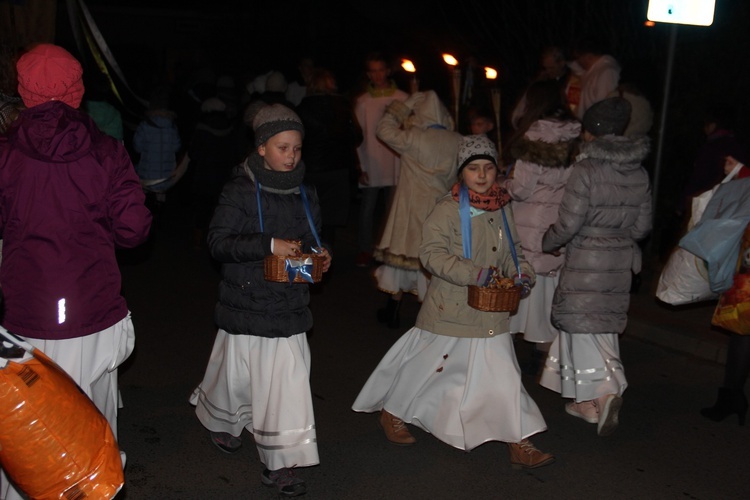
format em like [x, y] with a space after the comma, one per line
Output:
[130, 219]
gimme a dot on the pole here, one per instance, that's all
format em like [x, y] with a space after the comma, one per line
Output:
[495, 94]
[456, 83]
[663, 121]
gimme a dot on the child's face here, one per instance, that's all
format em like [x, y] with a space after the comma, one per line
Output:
[481, 125]
[377, 72]
[479, 175]
[283, 151]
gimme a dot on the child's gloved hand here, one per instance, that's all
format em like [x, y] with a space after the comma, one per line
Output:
[525, 281]
[484, 277]
[413, 100]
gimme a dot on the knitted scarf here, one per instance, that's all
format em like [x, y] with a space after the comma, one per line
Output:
[272, 180]
[494, 199]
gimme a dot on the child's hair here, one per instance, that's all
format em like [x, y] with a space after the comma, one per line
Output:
[544, 99]
[322, 81]
[375, 56]
[481, 113]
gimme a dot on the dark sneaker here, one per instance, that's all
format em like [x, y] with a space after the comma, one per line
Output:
[285, 480]
[226, 442]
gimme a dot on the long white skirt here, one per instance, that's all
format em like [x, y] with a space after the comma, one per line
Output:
[584, 366]
[394, 280]
[534, 315]
[465, 391]
[262, 385]
[92, 362]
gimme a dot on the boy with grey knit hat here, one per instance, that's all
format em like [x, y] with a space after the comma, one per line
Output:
[261, 358]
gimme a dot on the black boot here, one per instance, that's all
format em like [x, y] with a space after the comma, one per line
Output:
[728, 403]
[389, 314]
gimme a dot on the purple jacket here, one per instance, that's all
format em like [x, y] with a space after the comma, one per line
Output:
[69, 196]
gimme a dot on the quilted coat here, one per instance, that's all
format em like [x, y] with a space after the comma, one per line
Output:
[605, 210]
[248, 304]
[538, 183]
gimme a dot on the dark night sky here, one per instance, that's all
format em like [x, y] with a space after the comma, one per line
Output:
[709, 63]
[506, 34]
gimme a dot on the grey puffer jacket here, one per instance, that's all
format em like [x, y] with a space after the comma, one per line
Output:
[248, 304]
[605, 209]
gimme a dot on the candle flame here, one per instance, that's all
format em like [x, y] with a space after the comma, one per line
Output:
[449, 59]
[490, 73]
[408, 66]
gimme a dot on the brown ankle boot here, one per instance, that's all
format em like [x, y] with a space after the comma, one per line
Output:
[524, 455]
[395, 429]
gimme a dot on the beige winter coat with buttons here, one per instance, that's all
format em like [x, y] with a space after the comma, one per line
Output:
[445, 310]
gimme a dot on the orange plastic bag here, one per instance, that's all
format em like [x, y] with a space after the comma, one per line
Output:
[54, 442]
[733, 310]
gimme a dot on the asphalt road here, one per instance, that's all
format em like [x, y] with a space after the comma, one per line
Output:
[663, 449]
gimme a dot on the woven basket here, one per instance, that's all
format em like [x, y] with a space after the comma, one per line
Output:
[495, 299]
[274, 268]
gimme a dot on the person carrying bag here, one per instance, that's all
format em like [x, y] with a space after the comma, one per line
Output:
[685, 277]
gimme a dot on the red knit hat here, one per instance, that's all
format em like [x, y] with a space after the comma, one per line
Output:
[49, 73]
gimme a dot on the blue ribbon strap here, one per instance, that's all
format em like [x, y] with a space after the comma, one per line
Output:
[465, 215]
[308, 213]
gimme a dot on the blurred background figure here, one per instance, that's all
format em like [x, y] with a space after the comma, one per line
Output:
[599, 73]
[214, 150]
[553, 65]
[421, 130]
[297, 88]
[157, 141]
[378, 164]
[329, 149]
[99, 104]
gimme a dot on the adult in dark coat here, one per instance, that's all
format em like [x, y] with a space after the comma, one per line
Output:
[605, 210]
[214, 151]
[330, 148]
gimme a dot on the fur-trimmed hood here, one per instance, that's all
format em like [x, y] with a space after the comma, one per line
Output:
[548, 142]
[616, 148]
[543, 153]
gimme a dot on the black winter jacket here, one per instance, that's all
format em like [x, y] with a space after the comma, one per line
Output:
[248, 304]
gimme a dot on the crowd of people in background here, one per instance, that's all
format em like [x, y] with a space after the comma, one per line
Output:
[561, 207]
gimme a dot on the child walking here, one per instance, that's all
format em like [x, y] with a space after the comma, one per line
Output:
[604, 211]
[258, 373]
[455, 373]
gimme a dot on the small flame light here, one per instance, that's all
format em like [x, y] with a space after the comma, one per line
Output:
[450, 60]
[490, 73]
[408, 66]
